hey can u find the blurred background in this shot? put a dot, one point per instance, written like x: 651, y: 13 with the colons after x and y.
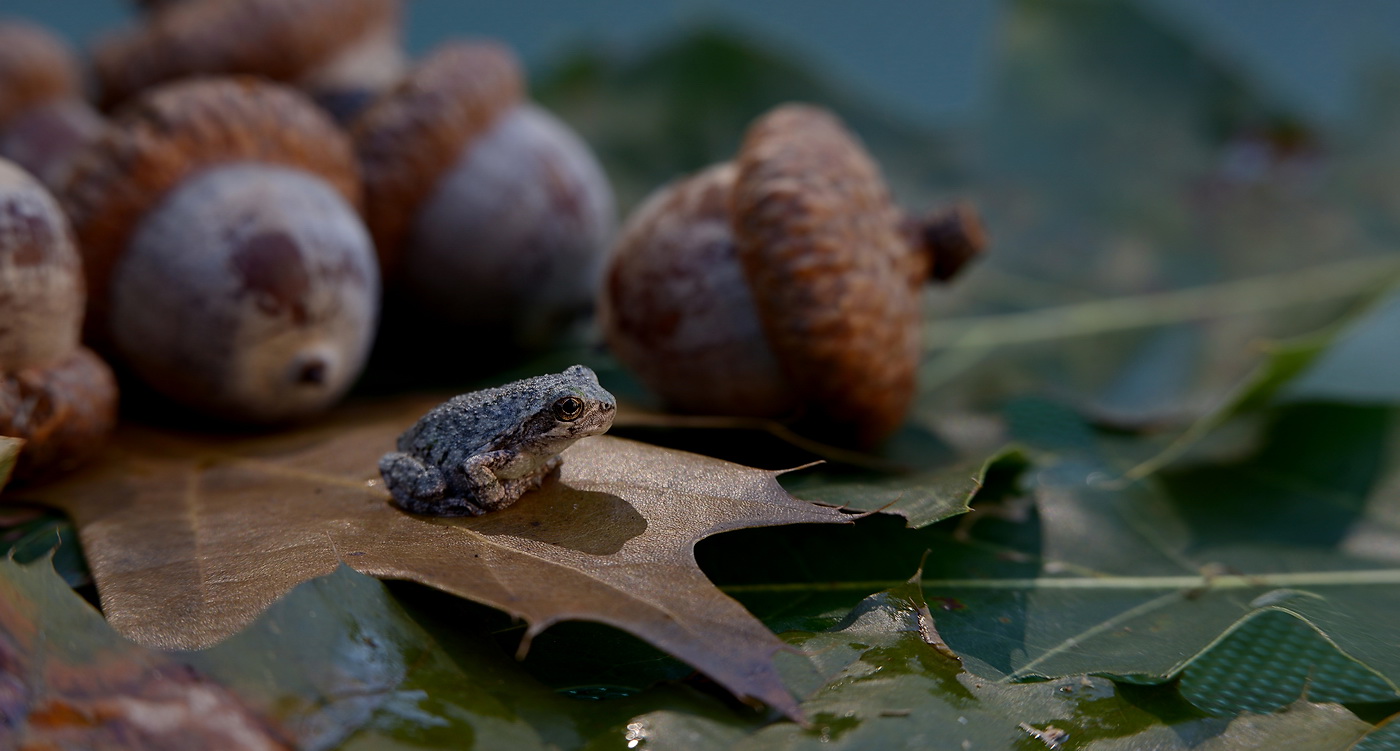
x: 1117, y: 150
x: 927, y: 61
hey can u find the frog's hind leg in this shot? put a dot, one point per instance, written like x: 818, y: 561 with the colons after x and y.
x: 415, y: 486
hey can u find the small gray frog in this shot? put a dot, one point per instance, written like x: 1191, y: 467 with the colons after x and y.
x: 481, y: 451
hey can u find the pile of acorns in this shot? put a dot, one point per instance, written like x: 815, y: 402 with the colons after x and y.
x: 264, y: 176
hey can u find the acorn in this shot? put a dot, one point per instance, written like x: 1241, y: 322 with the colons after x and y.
x: 43, y: 116
x: 57, y: 395
x: 341, y: 52
x: 783, y: 284
x: 487, y: 211
x: 226, y: 264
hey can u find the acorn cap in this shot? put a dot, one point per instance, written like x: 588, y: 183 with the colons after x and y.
x: 277, y: 39
x: 35, y: 67
x: 65, y: 411
x: 177, y: 130
x: 836, y: 284
x: 412, y: 134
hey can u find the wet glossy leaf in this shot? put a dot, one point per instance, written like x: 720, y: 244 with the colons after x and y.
x: 879, y: 679
x: 1155, y: 218
x: 1301, y: 725
x: 190, y: 537
x: 69, y: 681
x: 922, y: 498
x: 29, y: 533
x: 1140, y: 581
x: 336, y: 659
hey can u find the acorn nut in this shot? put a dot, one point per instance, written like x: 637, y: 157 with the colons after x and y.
x: 226, y: 263
x: 341, y: 52
x: 43, y: 116
x: 58, y: 396
x: 490, y: 213
x: 784, y: 283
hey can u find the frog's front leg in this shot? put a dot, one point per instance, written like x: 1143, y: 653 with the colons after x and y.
x: 416, y: 487
x: 522, y: 485
x: 488, y: 490
x: 480, y: 485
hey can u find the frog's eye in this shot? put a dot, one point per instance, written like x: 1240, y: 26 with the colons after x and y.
x: 569, y: 408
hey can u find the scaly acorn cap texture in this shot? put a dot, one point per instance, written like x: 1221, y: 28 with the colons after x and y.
x: 836, y: 284
x: 277, y: 39
x: 35, y: 67
x: 174, y: 131
x: 412, y: 134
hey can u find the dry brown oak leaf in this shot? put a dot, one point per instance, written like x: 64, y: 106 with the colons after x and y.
x: 190, y: 537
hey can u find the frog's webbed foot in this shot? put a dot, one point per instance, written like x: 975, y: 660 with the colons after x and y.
x: 415, y: 486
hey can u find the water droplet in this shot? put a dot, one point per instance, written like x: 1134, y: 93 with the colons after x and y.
x: 636, y: 734
x: 598, y: 693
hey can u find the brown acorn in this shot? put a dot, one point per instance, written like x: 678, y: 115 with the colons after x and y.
x: 226, y: 263
x: 784, y: 283
x: 341, y: 52
x: 486, y: 210
x: 58, y: 396
x: 43, y: 116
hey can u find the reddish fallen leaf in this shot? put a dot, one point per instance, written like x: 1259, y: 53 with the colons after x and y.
x: 65, y: 684
x: 190, y: 537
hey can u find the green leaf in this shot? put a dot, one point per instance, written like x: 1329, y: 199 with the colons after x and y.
x: 1338, y: 362
x: 1141, y: 581
x: 72, y: 682
x: 1132, y: 268
x: 922, y: 498
x: 880, y: 679
x: 29, y: 533
x: 1301, y: 725
x: 338, y: 656
x: 337, y: 663
x: 1357, y: 364
x: 1272, y: 660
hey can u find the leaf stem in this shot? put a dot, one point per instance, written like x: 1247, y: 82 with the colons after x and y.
x: 1254, y: 295
x: 1226, y: 581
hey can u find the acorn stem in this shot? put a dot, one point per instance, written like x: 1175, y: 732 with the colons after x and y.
x: 950, y: 237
